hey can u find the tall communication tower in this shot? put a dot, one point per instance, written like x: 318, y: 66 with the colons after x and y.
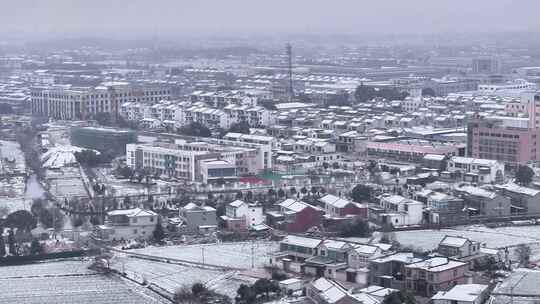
x: 114, y: 101
x: 288, y: 48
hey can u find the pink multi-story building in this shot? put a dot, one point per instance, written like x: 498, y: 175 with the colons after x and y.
x: 412, y: 149
x: 508, y: 139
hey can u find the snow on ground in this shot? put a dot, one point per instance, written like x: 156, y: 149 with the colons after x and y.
x: 120, y: 187
x: 236, y: 255
x: 33, y: 188
x: 68, y: 282
x: 491, y: 237
x: 171, y: 277
x: 12, y: 195
x: 167, y: 276
x: 11, y: 150
x: 123, y: 187
x: 66, y: 182
x: 230, y: 285
x: 47, y: 268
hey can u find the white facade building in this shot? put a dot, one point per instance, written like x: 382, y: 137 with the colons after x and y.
x: 127, y: 224
x: 477, y: 170
x: 400, y: 211
x: 251, y: 214
x: 68, y: 102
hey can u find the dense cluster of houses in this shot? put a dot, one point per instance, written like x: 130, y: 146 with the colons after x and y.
x: 341, y: 268
x: 290, y: 215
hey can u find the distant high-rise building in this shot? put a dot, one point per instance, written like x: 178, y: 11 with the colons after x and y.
x: 486, y: 65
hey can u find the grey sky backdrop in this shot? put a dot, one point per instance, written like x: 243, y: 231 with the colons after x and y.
x: 165, y: 17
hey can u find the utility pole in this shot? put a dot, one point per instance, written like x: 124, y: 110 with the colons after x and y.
x: 252, y: 254
x: 202, y: 252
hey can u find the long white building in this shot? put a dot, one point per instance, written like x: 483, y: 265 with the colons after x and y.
x: 200, y: 159
x: 69, y: 102
x: 179, y: 114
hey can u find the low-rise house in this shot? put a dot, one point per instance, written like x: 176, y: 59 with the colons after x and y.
x: 476, y: 170
x: 389, y: 270
x: 483, y: 202
x: 295, y: 216
x: 199, y: 219
x: 373, y: 294
x: 444, y: 208
x: 360, y: 255
x: 127, y: 224
x: 358, y: 259
x: 241, y: 216
x: 293, y: 251
x: 331, y: 258
x: 324, y: 291
x: 339, y: 207
x: 429, y: 276
x: 434, y: 161
x: 458, y: 247
x: 400, y: 211
x: 462, y: 294
x: 522, y: 199
x: 521, y: 284
x: 290, y: 286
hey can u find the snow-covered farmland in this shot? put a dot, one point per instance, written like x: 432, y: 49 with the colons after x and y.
x: 234, y: 255
x: 171, y: 277
x: 68, y: 282
x: 167, y: 276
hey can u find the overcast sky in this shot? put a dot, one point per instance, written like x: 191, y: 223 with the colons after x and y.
x: 165, y: 17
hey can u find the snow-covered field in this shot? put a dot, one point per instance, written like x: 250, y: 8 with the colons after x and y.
x: 235, y: 255
x: 171, y: 277
x: 67, y: 282
x: 46, y: 268
x: 167, y: 276
x: 66, y: 182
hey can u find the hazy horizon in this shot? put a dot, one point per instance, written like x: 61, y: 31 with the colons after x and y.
x: 131, y: 18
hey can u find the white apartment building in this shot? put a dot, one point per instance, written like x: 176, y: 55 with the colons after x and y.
x: 518, y: 84
x: 201, y: 159
x: 184, y: 113
x: 261, y: 151
x: 255, y: 116
x: 477, y: 170
x: 412, y: 104
x: 269, y: 141
x: 314, y: 145
x: 166, y: 159
x: 134, y: 111
x: 209, y: 117
x: 223, y: 99
x: 69, y: 102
